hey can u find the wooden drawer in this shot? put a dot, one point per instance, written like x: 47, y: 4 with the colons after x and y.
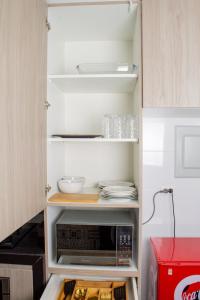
x: 55, y: 283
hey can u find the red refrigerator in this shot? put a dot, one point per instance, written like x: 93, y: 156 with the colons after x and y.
x: 174, y: 272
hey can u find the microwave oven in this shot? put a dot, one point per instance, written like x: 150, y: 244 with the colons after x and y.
x: 101, y: 238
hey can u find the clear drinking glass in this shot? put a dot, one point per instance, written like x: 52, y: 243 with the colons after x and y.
x: 112, y: 126
x: 124, y: 126
x: 117, y: 126
x: 106, y: 128
x: 131, y: 127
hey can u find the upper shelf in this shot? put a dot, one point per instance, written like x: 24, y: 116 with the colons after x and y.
x: 91, y: 140
x: 95, y: 83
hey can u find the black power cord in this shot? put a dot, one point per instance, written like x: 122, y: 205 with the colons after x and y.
x: 173, y: 211
x: 154, y: 208
x: 165, y: 191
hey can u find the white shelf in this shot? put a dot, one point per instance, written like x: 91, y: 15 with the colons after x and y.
x: 100, y: 204
x: 91, y: 140
x: 95, y: 83
x: 131, y: 271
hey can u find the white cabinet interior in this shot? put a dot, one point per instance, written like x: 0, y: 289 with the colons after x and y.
x: 54, y: 267
x: 92, y: 34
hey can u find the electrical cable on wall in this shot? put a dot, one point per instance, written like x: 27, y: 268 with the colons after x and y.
x: 165, y: 191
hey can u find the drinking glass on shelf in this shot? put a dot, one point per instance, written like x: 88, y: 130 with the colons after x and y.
x: 117, y: 126
x: 124, y: 126
x: 131, y: 127
x: 107, y: 126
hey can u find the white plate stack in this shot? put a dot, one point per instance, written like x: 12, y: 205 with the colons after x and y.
x: 119, y: 192
x: 107, y: 183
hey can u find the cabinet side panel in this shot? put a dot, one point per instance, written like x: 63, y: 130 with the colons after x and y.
x: 171, y: 47
x: 22, y: 114
x: 21, y: 281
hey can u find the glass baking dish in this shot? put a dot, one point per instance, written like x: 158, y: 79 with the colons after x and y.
x: 106, y: 68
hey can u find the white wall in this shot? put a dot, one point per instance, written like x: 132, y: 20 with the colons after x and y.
x: 158, y: 173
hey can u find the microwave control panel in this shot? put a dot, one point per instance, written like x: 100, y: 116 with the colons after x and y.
x: 124, y: 245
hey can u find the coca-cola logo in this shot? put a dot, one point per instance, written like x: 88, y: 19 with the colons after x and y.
x: 191, y: 292
x: 188, y: 288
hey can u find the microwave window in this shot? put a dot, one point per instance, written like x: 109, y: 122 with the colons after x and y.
x: 91, y: 237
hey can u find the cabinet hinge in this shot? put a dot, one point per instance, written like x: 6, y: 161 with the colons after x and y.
x: 48, y: 25
x: 47, y: 188
x: 47, y: 104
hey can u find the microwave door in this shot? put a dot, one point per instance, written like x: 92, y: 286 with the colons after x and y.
x: 89, y: 245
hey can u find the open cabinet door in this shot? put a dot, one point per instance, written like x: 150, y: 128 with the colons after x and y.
x: 23, y: 51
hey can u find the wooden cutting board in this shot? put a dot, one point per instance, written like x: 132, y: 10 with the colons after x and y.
x: 86, y: 198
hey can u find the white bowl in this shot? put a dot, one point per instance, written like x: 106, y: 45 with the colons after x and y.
x: 71, y: 184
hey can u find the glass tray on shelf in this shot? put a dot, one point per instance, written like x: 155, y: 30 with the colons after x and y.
x: 106, y: 68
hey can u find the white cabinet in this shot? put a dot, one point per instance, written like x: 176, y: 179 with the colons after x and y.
x: 92, y: 34
x: 88, y: 33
